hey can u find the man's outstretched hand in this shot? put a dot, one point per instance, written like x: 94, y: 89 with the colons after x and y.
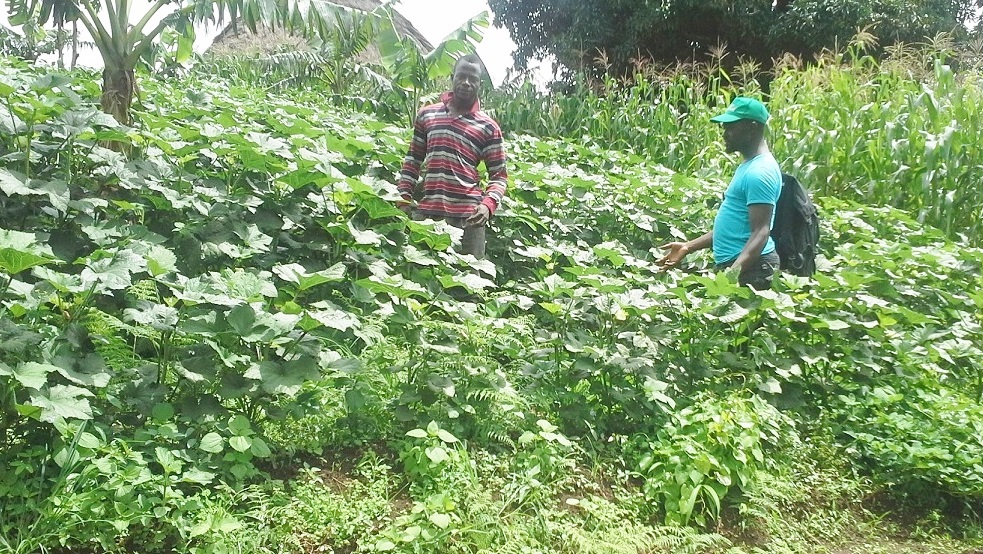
x: 676, y: 251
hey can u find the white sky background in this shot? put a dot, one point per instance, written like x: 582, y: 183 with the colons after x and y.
x: 435, y: 19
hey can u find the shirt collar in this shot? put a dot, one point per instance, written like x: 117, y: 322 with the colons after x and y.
x: 449, y: 95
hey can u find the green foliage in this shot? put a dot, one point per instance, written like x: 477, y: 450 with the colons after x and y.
x: 894, y: 132
x: 709, y: 452
x: 623, y: 31
x: 168, y: 288
x: 31, y: 44
x: 122, y: 43
x: 339, y: 64
x: 184, y: 326
x: 918, y: 438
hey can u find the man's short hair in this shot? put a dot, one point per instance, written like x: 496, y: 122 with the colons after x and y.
x: 469, y: 58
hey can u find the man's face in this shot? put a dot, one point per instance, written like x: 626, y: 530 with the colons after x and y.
x: 466, y: 81
x: 738, y: 134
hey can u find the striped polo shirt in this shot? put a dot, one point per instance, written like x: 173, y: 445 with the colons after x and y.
x: 446, y: 149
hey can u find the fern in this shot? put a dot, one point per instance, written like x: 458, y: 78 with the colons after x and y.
x: 108, y: 334
x: 686, y: 540
x: 144, y: 290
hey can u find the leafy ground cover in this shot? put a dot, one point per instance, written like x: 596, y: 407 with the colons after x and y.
x: 230, y: 340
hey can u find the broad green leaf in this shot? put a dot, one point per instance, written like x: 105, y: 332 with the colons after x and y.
x: 395, y: 285
x: 229, y: 523
x: 18, y: 240
x: 411, y: 533
x: 418, y: 257
x: 20, y: 251
x: 333, y: 274
x: 29, y: 411
x: 385, y: 545
x: 295, y: 273
x: 435, y: 237
x: 167, y: 460
x: 246, y: 286
x: 114, y: 272
x: 62, y: 401
x: 62, y: 282
x: 163, y: 412
x: 437, y: 454
x: 442, y: 521
x: 470, y: 281
x: 197, y: 476
x: 366, y: 237
x: 89, y: 370
x: 212, y: 442
x: 283, y: 377
x: 771, y: 386
x: 161, y: 260
x: 13, y: 261
x: 13, y: 184
x: 157, y: 316
x: 240, y: 443
x: 446, y: 436
x: 240, y: 425
x: 33, y: 375
x: 354, y: 399
x: 330, y: 315
x: 66, y: 457
x: 417, y: 433
x: 241, y: 318
x: 377, y: 207
x: 344, y: 365
x: 254, y: 242
x: 290, y: 273
x: 836, y: 324
x: 259, y: 448
x: 88, y: 440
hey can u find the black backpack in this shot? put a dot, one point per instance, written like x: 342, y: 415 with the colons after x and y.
x: 796, y: 228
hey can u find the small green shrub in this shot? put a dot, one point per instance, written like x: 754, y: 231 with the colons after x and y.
x: 709, y: 452
x: 916, y: 440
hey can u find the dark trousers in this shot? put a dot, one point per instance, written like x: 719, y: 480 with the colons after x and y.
x: 473, y: 241
x: 758, y: 274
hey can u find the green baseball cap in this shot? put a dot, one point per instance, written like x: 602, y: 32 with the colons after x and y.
x: 743, y: 108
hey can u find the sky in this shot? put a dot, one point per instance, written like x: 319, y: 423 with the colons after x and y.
x: 435, y: 19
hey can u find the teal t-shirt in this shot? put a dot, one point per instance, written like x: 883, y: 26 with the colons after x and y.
x: 756, y: 181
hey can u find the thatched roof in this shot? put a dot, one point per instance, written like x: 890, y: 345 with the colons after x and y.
x: 238, y: 39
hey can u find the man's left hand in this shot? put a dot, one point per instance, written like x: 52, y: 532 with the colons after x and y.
x: 479, y: 218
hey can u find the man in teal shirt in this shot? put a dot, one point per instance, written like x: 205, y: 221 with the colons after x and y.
x: 741, y: 235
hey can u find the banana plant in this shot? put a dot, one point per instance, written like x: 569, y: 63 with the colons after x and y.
x: 122, y: 43
x: 404, y: 75
x: 413, y: 72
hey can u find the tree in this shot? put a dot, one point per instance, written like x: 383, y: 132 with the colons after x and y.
x: 575, y: 31
x: 122, y: 44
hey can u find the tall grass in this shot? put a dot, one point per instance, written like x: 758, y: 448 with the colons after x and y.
x: 902, y: 134
x: 903, y: 131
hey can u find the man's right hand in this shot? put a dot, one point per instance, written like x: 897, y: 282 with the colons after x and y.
x: 407, y: 209
x: 676, y: 252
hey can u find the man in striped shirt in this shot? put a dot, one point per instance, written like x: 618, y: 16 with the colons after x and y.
x: 450, y: 139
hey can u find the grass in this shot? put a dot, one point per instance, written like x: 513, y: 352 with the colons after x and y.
x: 346, y: 505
